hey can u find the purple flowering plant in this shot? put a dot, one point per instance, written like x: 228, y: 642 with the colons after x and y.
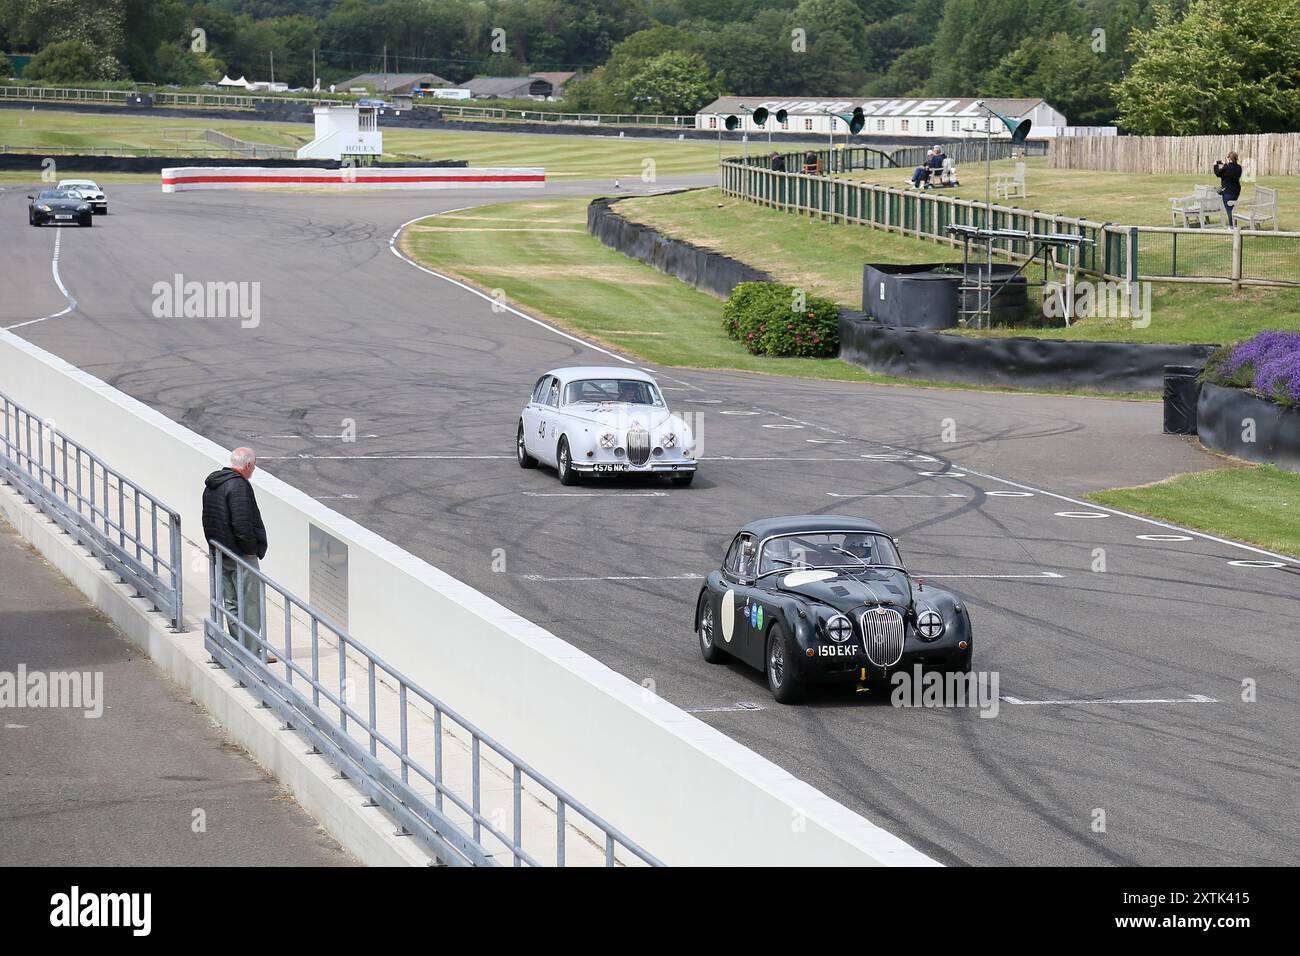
x: 1268, y: 363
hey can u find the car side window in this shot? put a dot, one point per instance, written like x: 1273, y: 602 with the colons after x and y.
x: 729, y: 562
x: 553, y: 396
x: 539, y: 390
x: 740, y: 556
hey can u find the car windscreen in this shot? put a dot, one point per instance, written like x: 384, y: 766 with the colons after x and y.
x: 77, y: 186
x: 630, y: 390
x: 57, y: 194
x: 828, y: 549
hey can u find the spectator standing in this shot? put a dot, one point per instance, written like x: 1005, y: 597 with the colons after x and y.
x: 778, y: 163
x: 1229, y: 173
x: 231, y: 517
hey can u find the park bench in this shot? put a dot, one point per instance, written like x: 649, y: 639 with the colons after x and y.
x: 1010, y: 184
x: 1201, y: 208
x: 1261, y: 210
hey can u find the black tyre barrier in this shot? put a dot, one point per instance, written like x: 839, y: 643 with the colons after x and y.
x: 154, y: 164
x: 1014, y: 361
x: 708, y: 271
x: 1181, y: 395
x: 928, y: 295
x: 1228, y: 418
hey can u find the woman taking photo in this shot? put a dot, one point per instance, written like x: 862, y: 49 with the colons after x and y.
x: 1229, y: 173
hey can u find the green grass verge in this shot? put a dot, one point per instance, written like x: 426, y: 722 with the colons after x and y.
x: 563, y: 157
x: 541, y: 257
x: 826, y: 259
x: 1259, y: 504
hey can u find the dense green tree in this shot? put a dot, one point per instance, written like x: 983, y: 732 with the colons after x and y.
x: 6, y: 68
x: 65, y: 61
x: 1228, y: 66
x: 1064, y: 70
x: 975, y: 34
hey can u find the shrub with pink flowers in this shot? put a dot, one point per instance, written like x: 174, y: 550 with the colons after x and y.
x: 1269, y: 364
x: 778, y: 320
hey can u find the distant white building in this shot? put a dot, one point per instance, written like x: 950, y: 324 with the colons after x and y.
x: 936, y: 118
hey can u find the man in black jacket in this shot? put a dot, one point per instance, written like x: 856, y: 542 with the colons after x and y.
x: 231, y: 517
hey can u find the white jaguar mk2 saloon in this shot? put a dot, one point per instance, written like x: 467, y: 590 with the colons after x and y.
x: 604, y: 421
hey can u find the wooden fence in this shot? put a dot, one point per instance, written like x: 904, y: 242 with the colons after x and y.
x: 1271, y: 154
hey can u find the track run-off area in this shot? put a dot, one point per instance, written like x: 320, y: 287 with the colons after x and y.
x: 1122, y: 646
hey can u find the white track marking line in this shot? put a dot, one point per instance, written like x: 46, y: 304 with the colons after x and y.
x: 1041, y: 575
x: 1191, y: 699
x: 739, y: 707
x: 626, y: 577
x: 596, y: 494
x: 1257, y: 564
x: 497, y: 303
x: 384, y: 458
x: 832, y: 494
x: 58, y: 281
x: 1151, y: 521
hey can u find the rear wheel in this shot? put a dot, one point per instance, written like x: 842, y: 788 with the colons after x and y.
x: 706, y: 631
x: 564, y: 464
x: 781, y: 681
x: 521, y: 450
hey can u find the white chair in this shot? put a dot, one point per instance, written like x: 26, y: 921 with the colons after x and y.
x: 948, y: 175
x: 1007, y: 185
x: 1260, y: 211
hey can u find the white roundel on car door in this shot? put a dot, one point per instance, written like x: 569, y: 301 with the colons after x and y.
x: 728, y: 615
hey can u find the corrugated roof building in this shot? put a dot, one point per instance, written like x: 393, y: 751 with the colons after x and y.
x: 936, y: 118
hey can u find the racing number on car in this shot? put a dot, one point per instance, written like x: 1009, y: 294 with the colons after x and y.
x: 541, y: 428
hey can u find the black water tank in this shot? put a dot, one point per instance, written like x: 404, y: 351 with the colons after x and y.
x: 1010, y: 303
x: 1181, y: 395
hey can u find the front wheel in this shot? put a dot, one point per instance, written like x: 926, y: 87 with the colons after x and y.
x: 781, y: 681
x: 706, y: 632
x: 683, y: 479
x: 564, y: 464
x: 521, y: 450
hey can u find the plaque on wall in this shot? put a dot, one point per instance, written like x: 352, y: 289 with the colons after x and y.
x: 328, y: 580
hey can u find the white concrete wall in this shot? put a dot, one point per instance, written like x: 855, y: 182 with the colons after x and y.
x: 181, y: 178
x: 683, y: 790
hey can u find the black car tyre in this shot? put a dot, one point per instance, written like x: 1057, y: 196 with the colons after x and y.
x: 683, y: 479
x: 564, y: 464
x: 89, y: 222
x: 781, y: 681
x: 961, y: 662
x: 521, y: 450
x: 706, y: 631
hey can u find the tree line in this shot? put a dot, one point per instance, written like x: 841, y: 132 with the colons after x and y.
x: 1152, y: 66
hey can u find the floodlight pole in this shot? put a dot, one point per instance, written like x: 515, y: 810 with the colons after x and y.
x: 988, y: 202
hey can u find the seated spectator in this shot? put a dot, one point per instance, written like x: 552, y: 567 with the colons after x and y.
x: 921, y: 175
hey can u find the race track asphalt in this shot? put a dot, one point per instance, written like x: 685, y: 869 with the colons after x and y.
x: 1128, y: 680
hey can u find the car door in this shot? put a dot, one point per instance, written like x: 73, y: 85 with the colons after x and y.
x: 531, y: 415
x: 548, y: 427
x: 735, y: 611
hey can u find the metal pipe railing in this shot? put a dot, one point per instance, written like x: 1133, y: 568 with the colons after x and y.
x: 378, y: 753
x: 134, y: 534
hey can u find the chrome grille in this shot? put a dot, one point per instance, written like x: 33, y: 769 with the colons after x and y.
x: 638, y: 446
x: 882, y: 636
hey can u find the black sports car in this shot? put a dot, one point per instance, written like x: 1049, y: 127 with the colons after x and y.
x: 59, y: 206
x: 826, y: 598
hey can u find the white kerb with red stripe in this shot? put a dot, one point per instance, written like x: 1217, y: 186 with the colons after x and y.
x: 183, y: 178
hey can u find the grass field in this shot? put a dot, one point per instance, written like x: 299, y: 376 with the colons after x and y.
x: 1259, y: 504
x: 1130, y: 198
x: 540, y: 255
x: 563, y: 157
x: 826, y: 259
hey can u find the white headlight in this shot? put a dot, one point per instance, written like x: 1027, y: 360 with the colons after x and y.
x: 839, y: 628
x: 929, y: 624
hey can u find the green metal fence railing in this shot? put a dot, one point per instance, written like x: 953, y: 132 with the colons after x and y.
x: 1121, y: 252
